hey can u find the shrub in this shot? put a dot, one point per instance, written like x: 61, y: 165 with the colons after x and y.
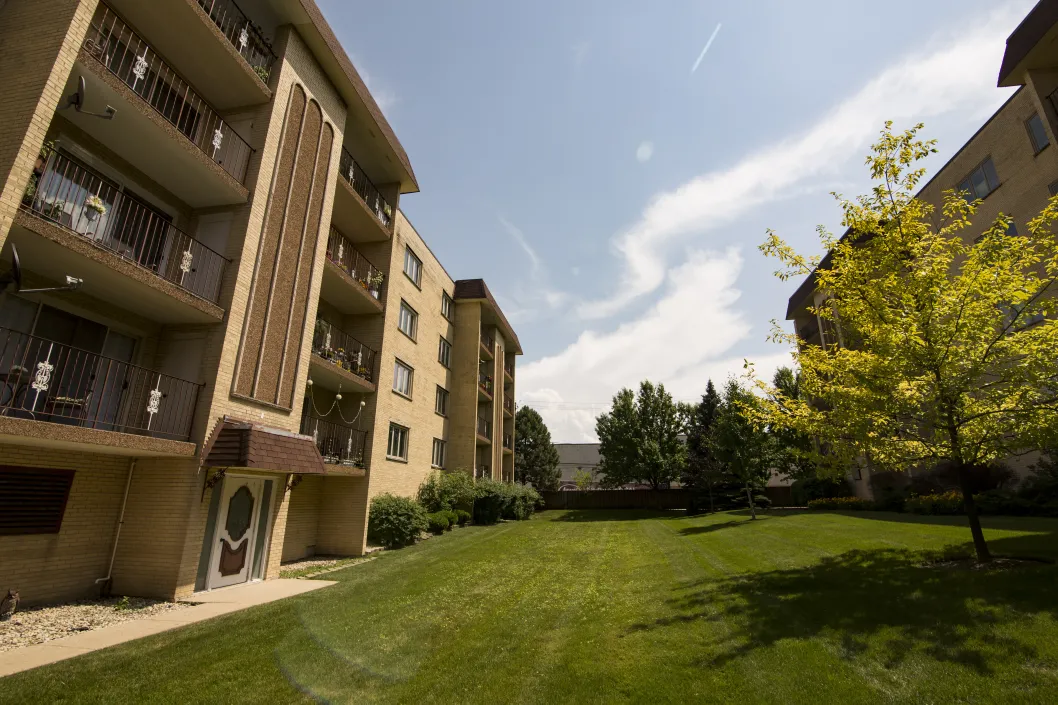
x: 464, y: 517
x: 452, y: 516
x: 939, y: 504
x: 438, y: 522
x: 810, y: 488
x: 442, y: 491
x: 489, y: 501
x: 395, y: 521
x: 843, y: 503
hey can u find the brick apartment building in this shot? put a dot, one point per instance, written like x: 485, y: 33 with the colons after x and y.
x: 1011, y: 163
x: 261, y: 342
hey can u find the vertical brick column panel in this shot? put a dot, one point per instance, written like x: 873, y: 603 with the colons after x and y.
x: 39, y: 40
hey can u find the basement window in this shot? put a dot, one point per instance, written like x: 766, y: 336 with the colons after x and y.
x: 33, y: 500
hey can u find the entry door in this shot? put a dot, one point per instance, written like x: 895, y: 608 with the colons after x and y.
x: 233, y: 545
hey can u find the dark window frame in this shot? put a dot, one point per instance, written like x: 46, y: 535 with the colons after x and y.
x: 17, y: 473
x: 1032, y: 135
x: 966, y: 184
x: 441, y: 393
x: 418, y: 260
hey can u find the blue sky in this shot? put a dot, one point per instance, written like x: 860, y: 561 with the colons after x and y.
x: 613, y: 199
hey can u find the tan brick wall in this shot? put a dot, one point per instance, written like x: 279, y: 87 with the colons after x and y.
x: 463, y: 412
x: 49, y: 567
x: 39, y: 40
x: 421, y: 354
x: 342, y: 517
x: 303, y: 516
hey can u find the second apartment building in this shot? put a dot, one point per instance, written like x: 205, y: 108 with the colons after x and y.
x: 224, y: 390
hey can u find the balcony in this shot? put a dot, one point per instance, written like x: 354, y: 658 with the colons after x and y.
x: 508, y: 406
x: 162, y: 126
x: 485, y: 386
x: 488, y: 345
x: 338, y: 444
x: 41, y: 380
x: 482, y: 472
x: 340, y: 361
x: 242, y: 34
x: 359, y: 207
x: 82, y: 201
x: 347, y: 269
x: 508, y: 370
x: 202, y: 39
x: 508, y: 442
x: 484, y: 431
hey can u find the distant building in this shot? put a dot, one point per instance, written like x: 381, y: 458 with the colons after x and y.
x: 577, y: 458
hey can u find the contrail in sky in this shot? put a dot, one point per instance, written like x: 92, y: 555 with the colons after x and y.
x: 707, y: 45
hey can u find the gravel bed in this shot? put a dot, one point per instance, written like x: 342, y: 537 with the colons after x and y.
x: 35, y: 625
x: 318, y: 562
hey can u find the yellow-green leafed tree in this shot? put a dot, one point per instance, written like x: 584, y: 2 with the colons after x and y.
x: 949, y: 343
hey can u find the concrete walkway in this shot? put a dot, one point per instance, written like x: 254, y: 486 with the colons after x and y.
x: 210, y: 604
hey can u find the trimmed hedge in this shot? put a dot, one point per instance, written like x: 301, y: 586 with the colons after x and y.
x: 940, y: 504
x: 438, y: 522
x: 395, y: 521
x: 463, y: 516
x: 452, y: 516
x: 842, y: 503
x: 499, y: 500
x: 443, y: 491
x: 993, y: 502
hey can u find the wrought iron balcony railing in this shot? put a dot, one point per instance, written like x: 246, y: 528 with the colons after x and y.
x: 339, y: 444
x: 485, y: 383
x: 485, y: 428
x: 242, y: 34
x: 508, y: 405
x: 126, y: 55
x: 342, y: 253
x: 508, y: 369
x: 356, y: 177
x: 345, y: 351
x: 70, y: 194
x: 482, y: 472
x: 43, y: 380
x: 508, y: 441
x: 487, y: 342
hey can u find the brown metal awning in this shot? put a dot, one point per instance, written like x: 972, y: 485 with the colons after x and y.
x: 235, y: 443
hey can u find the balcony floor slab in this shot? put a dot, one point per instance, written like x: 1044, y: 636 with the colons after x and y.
x: 345, y: 293
x: 330, y: 376
x: 43, y: 434
x: 352, y: 216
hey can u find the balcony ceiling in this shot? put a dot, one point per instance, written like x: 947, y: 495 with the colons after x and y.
x: 171, y: 160
x: 184, y: 36
x: 351, y: 216
x: 328, y: 376
x: 53, y: 262
x: 344, y: 294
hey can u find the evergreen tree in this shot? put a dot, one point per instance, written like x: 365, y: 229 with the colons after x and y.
x: 535, y: 456
x: 703, y: 474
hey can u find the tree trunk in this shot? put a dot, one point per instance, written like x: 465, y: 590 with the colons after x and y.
x: 983, y: 554
x: 752, y: 509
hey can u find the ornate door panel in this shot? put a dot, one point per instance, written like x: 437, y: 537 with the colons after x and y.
x: 233, y: 545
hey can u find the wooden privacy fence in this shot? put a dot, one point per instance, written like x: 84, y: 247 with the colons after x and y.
x: 641, y: 499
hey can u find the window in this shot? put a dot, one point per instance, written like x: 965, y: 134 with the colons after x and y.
x: 408, y: 321
x: 413, y: 267
x: 398, y: 443
x: 438, y: 459
x: 444, y: 353
x: 981, y: 182
x: 1037, y: 134
x: 32, y: 500
x: 447, y: 306
x: 441, y: 403
x: 402, y: 378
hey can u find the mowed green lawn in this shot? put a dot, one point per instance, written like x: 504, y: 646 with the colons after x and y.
x: 625, y: 607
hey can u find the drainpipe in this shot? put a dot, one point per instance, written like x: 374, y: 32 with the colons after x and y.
x: 121, y: 521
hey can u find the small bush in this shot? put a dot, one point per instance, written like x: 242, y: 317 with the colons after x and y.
x: 761, y: 501
x: 464, y: 517
x: 853, y: 504
x: 429, y: 494
x: 489, y: 500
x: 442, y: 491
x: 438, y: 522
x: 946, y: 503
x: 804, y: 491
x: 452, y: 516
x: 395, y: 521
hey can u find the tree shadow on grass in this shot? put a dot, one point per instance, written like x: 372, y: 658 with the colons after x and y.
x: 709, y: 528
x: 884, y: 603
x: 614, y: 514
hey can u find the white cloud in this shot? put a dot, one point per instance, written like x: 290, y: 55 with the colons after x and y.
x: 682, y: 341
x: 958, y: 74
x: 644, y: 151
x: 528, y: 296
x: 706, y: 48
x: 385, y: 97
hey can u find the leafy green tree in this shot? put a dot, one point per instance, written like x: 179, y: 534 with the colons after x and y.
x: 794, y: 450
x: 639, y: 439
x: 583, y: 479
x: 535, y: 456
x: 948, y: 341
x: 703, y: 473
x: 741, y: 441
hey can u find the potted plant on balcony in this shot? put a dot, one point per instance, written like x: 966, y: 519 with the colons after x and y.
x: 94, y: 207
